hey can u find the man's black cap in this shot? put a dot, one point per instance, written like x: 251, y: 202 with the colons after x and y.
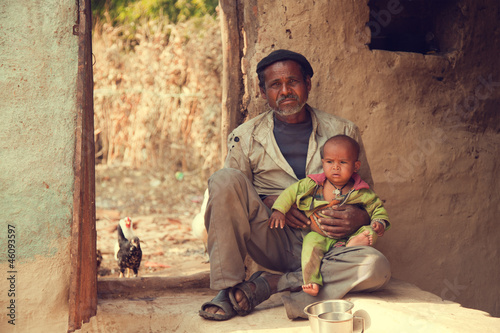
x: 280, y: 55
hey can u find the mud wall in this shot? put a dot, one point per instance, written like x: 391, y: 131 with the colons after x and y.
x: 429, y: 122
x: 38, y: 67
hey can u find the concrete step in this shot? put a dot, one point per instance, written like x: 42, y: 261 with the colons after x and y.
x: 171, y: 304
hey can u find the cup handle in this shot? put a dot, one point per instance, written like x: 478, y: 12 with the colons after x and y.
x: 357, y: 322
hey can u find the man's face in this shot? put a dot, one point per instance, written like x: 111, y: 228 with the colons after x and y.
x: 285, y: 90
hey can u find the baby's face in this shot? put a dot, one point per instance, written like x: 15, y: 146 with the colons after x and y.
x: 339, y: 162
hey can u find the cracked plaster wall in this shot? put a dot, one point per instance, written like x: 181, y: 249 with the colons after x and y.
x: 38, y: 70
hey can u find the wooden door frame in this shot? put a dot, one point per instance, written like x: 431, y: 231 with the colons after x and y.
x: 232, y: 76
x: 83, y: 281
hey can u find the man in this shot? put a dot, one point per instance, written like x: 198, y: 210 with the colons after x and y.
x: 266, y: 155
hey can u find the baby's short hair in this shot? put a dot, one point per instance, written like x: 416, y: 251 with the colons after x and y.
x: 341, y: 138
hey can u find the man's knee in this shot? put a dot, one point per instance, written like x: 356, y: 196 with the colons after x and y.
x: 374, y: 271
x: 225, y: 177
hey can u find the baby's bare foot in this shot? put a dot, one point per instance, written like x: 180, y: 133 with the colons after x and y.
x: 363, y: 239
x: 311, y: 288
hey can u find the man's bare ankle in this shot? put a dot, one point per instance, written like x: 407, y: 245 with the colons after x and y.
x: 273, y: 280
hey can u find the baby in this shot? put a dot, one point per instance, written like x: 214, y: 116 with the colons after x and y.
x: 338, y: 184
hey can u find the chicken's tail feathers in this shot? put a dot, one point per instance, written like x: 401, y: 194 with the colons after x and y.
x: 121, y: 236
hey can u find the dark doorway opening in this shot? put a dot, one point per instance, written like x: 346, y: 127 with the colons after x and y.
x: 420, y: 26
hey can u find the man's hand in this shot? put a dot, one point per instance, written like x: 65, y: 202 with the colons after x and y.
x: 344, y: 220
x: 294, y: 218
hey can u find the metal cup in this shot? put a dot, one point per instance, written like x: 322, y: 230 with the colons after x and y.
x: 339, y: 322
x: 315, y: 309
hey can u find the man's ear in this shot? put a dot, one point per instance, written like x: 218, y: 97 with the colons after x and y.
x: 308, y: 84
x: 357, y: 165
x: 263, y: 93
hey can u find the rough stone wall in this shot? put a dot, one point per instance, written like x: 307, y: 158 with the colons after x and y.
x: 430, y: 126
x: 38, y: 67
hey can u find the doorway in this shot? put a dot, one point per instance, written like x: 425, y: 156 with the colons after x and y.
x: 149, y: 155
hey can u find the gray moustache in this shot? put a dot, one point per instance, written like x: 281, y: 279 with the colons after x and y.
x: 287, y: 96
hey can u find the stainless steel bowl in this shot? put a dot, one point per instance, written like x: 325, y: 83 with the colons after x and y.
x: 315, y: 309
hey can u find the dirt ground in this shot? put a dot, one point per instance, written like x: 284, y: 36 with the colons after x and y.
x: 161, y: 207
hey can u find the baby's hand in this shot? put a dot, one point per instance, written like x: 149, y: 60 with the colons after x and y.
x: 277, y: 220
x: 378, y: 228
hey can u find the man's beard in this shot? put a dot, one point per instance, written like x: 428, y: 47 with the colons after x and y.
x: 287, y: 111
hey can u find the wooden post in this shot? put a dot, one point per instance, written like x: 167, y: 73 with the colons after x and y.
x: 232, y: 77
x: 83, y: 281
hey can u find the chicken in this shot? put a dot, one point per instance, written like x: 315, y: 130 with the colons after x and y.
x: 129, y: 255
x: 198, y: 224
x: 125, y: 225
x: 99, y: 258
